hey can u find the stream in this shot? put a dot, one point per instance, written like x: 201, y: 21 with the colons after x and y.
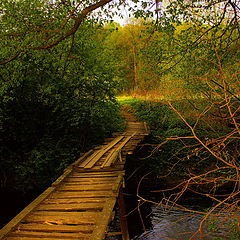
x: 166, y: 223
x: 172, y: 224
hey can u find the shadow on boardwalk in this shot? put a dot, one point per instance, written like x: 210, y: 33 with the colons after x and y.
x: 79, y: 204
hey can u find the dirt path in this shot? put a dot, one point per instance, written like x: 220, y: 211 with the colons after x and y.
x: 129, y: 113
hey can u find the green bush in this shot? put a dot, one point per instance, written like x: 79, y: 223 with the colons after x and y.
x: 164, y: 123
x: 53, y: 108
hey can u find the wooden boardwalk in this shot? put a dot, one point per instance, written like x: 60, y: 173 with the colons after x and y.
x: 79, y: 204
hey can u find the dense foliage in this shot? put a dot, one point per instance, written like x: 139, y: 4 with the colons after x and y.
x: 172, y: 142
x: 54, y: 105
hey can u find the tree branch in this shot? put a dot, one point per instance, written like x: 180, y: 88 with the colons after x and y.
x: 78, y: 21
x: 77, y: 24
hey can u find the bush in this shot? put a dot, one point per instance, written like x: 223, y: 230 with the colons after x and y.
x: 166, y: 126
x: 53, y: 108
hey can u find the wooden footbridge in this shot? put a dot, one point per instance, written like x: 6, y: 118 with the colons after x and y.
x: 79, y: 204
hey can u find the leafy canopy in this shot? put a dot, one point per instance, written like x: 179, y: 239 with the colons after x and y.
x: 40, y: 24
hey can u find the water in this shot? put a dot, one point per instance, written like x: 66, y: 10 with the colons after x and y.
x: 173, y: 224
x: 181, y: 225
x: 169, y: 223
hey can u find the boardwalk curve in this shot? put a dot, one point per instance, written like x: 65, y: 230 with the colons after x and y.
x: 79, y: 204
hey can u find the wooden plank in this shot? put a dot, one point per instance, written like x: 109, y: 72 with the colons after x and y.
x: 98, y: 154
x: 84, y: 183
x: 93, y: 169
x: 120, y: 156
x: 71, y: 206
x: 117, y: 184
x: 70, y: 215
x: 103, y: 221
x: 85, y: 155
x: 111, y: 234
x: 41, y: 238
x: 111, y: 158
x: 102, y: 152
x: 89, y: 187
x: 50, y: 227
x: 13, y: 223
x: 89, y: 159
x: 125, y: 141
x: 89, y: 180
x: 74, y: 200
x: 59, y: 235
x: 76, y: 190
x: 95, y: 173
x: 86, y: 194
x: 62, y: 217
x: 75, y: 175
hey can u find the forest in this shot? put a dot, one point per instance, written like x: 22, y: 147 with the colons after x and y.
x: 67, y: 68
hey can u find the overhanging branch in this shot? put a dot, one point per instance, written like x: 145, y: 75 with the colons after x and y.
x: 78, y: 21
x: 77, y: 24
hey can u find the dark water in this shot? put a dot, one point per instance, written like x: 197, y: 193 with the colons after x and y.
x: 172, y: 224
x: 168, y: 223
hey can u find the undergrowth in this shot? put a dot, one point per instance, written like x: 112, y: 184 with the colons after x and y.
x: 194, y: 148
x: 168, y: 151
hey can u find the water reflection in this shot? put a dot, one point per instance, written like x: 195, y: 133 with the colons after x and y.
x: 178, y: 225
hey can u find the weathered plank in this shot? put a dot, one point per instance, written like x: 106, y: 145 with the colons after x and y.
x: 94, y: 158
x: 102, y: 152
x: 41, y: 238
x: 101, y: 225
x: 82, y: 187
x: 83, y: 194
x: 117, y: 184
x: 82, y: 158
x: 97, y: 206
x: 62, y: 217
x: 94, y: 169
x: 62, y: 177
x: 75, y: 200
x: 89, y: 180
x: 88, y: 159
x: 56, y: 235
x: 92, y: 175
x: 112, y: 157
x: 50, y: 227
